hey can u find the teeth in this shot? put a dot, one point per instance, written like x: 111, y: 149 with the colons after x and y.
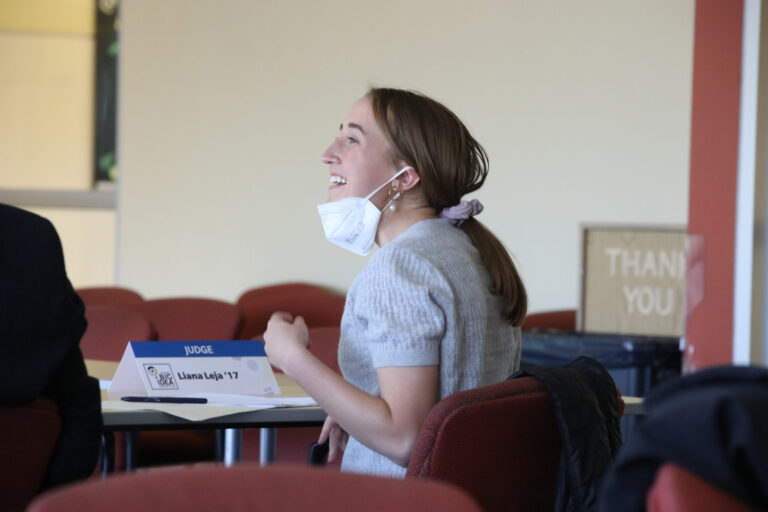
x: 338, y: 180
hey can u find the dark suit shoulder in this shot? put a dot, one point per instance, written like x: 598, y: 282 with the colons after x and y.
x: 15, y: 222
x: 13, y: 213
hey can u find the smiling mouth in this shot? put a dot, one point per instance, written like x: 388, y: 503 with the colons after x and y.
x: 338, y: 180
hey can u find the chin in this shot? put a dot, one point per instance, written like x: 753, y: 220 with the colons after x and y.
x: 334, y: 195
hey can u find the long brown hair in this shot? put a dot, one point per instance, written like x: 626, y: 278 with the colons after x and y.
x: 450, y: 163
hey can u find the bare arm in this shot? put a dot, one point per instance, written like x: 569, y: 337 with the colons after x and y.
x: 388, y: 424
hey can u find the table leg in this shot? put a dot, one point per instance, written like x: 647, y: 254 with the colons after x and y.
x: 219, y: 434
x: 233, y: 446
x: 107, y: 453
x: 130, y: 439
x: 267, y: 445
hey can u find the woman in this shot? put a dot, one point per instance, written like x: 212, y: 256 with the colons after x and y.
x: 436, y: 310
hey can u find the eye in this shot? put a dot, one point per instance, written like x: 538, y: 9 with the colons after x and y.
x: 352, y: 140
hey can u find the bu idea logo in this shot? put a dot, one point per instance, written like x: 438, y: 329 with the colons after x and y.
x: 160, y: 376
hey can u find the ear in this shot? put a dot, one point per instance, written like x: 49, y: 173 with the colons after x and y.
x: 406, y: 181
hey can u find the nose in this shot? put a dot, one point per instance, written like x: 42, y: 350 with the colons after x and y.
x: 331, y: 155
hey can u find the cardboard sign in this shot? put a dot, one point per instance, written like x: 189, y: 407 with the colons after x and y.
x: 175, y: 368
x: 633, y: 280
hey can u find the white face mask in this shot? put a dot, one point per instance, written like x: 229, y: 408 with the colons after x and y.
x: 352, y: 222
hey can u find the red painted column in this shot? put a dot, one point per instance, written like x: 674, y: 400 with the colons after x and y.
x: 713, y: 172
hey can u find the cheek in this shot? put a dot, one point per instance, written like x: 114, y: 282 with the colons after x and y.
x: 358, y: 183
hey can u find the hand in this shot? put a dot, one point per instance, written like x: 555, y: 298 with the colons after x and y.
x: 285, y: 338
x: 337, y: 437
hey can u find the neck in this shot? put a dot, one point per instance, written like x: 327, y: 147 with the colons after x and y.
x: 392, y: 224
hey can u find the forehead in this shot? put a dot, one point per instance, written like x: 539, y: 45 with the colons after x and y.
x: 361, y: 114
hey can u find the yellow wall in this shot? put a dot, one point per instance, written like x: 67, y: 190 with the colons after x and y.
x: 48, y: 16
x: 46, y: 97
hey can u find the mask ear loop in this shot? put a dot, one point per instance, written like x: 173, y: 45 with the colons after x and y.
x: 398, y: 173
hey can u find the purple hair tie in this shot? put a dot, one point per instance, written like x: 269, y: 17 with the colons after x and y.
x: 462, y: 211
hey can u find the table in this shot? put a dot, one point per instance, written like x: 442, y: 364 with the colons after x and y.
x: 267, y: 420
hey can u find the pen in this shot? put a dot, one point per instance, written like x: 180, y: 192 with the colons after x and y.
x: 165, y: 399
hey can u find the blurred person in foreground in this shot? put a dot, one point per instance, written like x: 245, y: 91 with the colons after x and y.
x: 41, y: 322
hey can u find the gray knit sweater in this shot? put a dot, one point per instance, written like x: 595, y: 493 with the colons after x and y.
x: 423, y: 299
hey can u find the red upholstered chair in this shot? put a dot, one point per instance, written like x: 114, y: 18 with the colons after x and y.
x: 676, y: 489
x: 185, y: 319
x: 563, y: 320
x: 109, y: 296
x: 319, y: 307
x: 294, y: 442
x: 500, y: 443
x: 28, y: 434
x: 324, y: 344
x: 322, y: 311
x: 249, y: 488
x: 110, y: 329
x: 281, y: 288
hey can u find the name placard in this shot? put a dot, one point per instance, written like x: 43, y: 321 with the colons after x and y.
x: 174, y: 368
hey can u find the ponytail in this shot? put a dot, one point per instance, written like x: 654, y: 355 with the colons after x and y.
x: 451, y: 164
x: 505, y: 280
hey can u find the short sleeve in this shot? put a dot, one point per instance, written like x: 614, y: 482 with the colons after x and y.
x: 400, y: 308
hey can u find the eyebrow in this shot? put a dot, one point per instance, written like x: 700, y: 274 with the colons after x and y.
x: 352, y: 125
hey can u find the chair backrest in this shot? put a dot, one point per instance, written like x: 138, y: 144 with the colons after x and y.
x: 319, y: 307
x: 499, y: 442
x: 28, y: 435
x: 281, y: 289
x: 324, y: 344
x: 184, y: 318
x: 108, y: 296
x: 562, y: 320
x: 676, y: 489
x: 110, y: 329
x: 248, y: 487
